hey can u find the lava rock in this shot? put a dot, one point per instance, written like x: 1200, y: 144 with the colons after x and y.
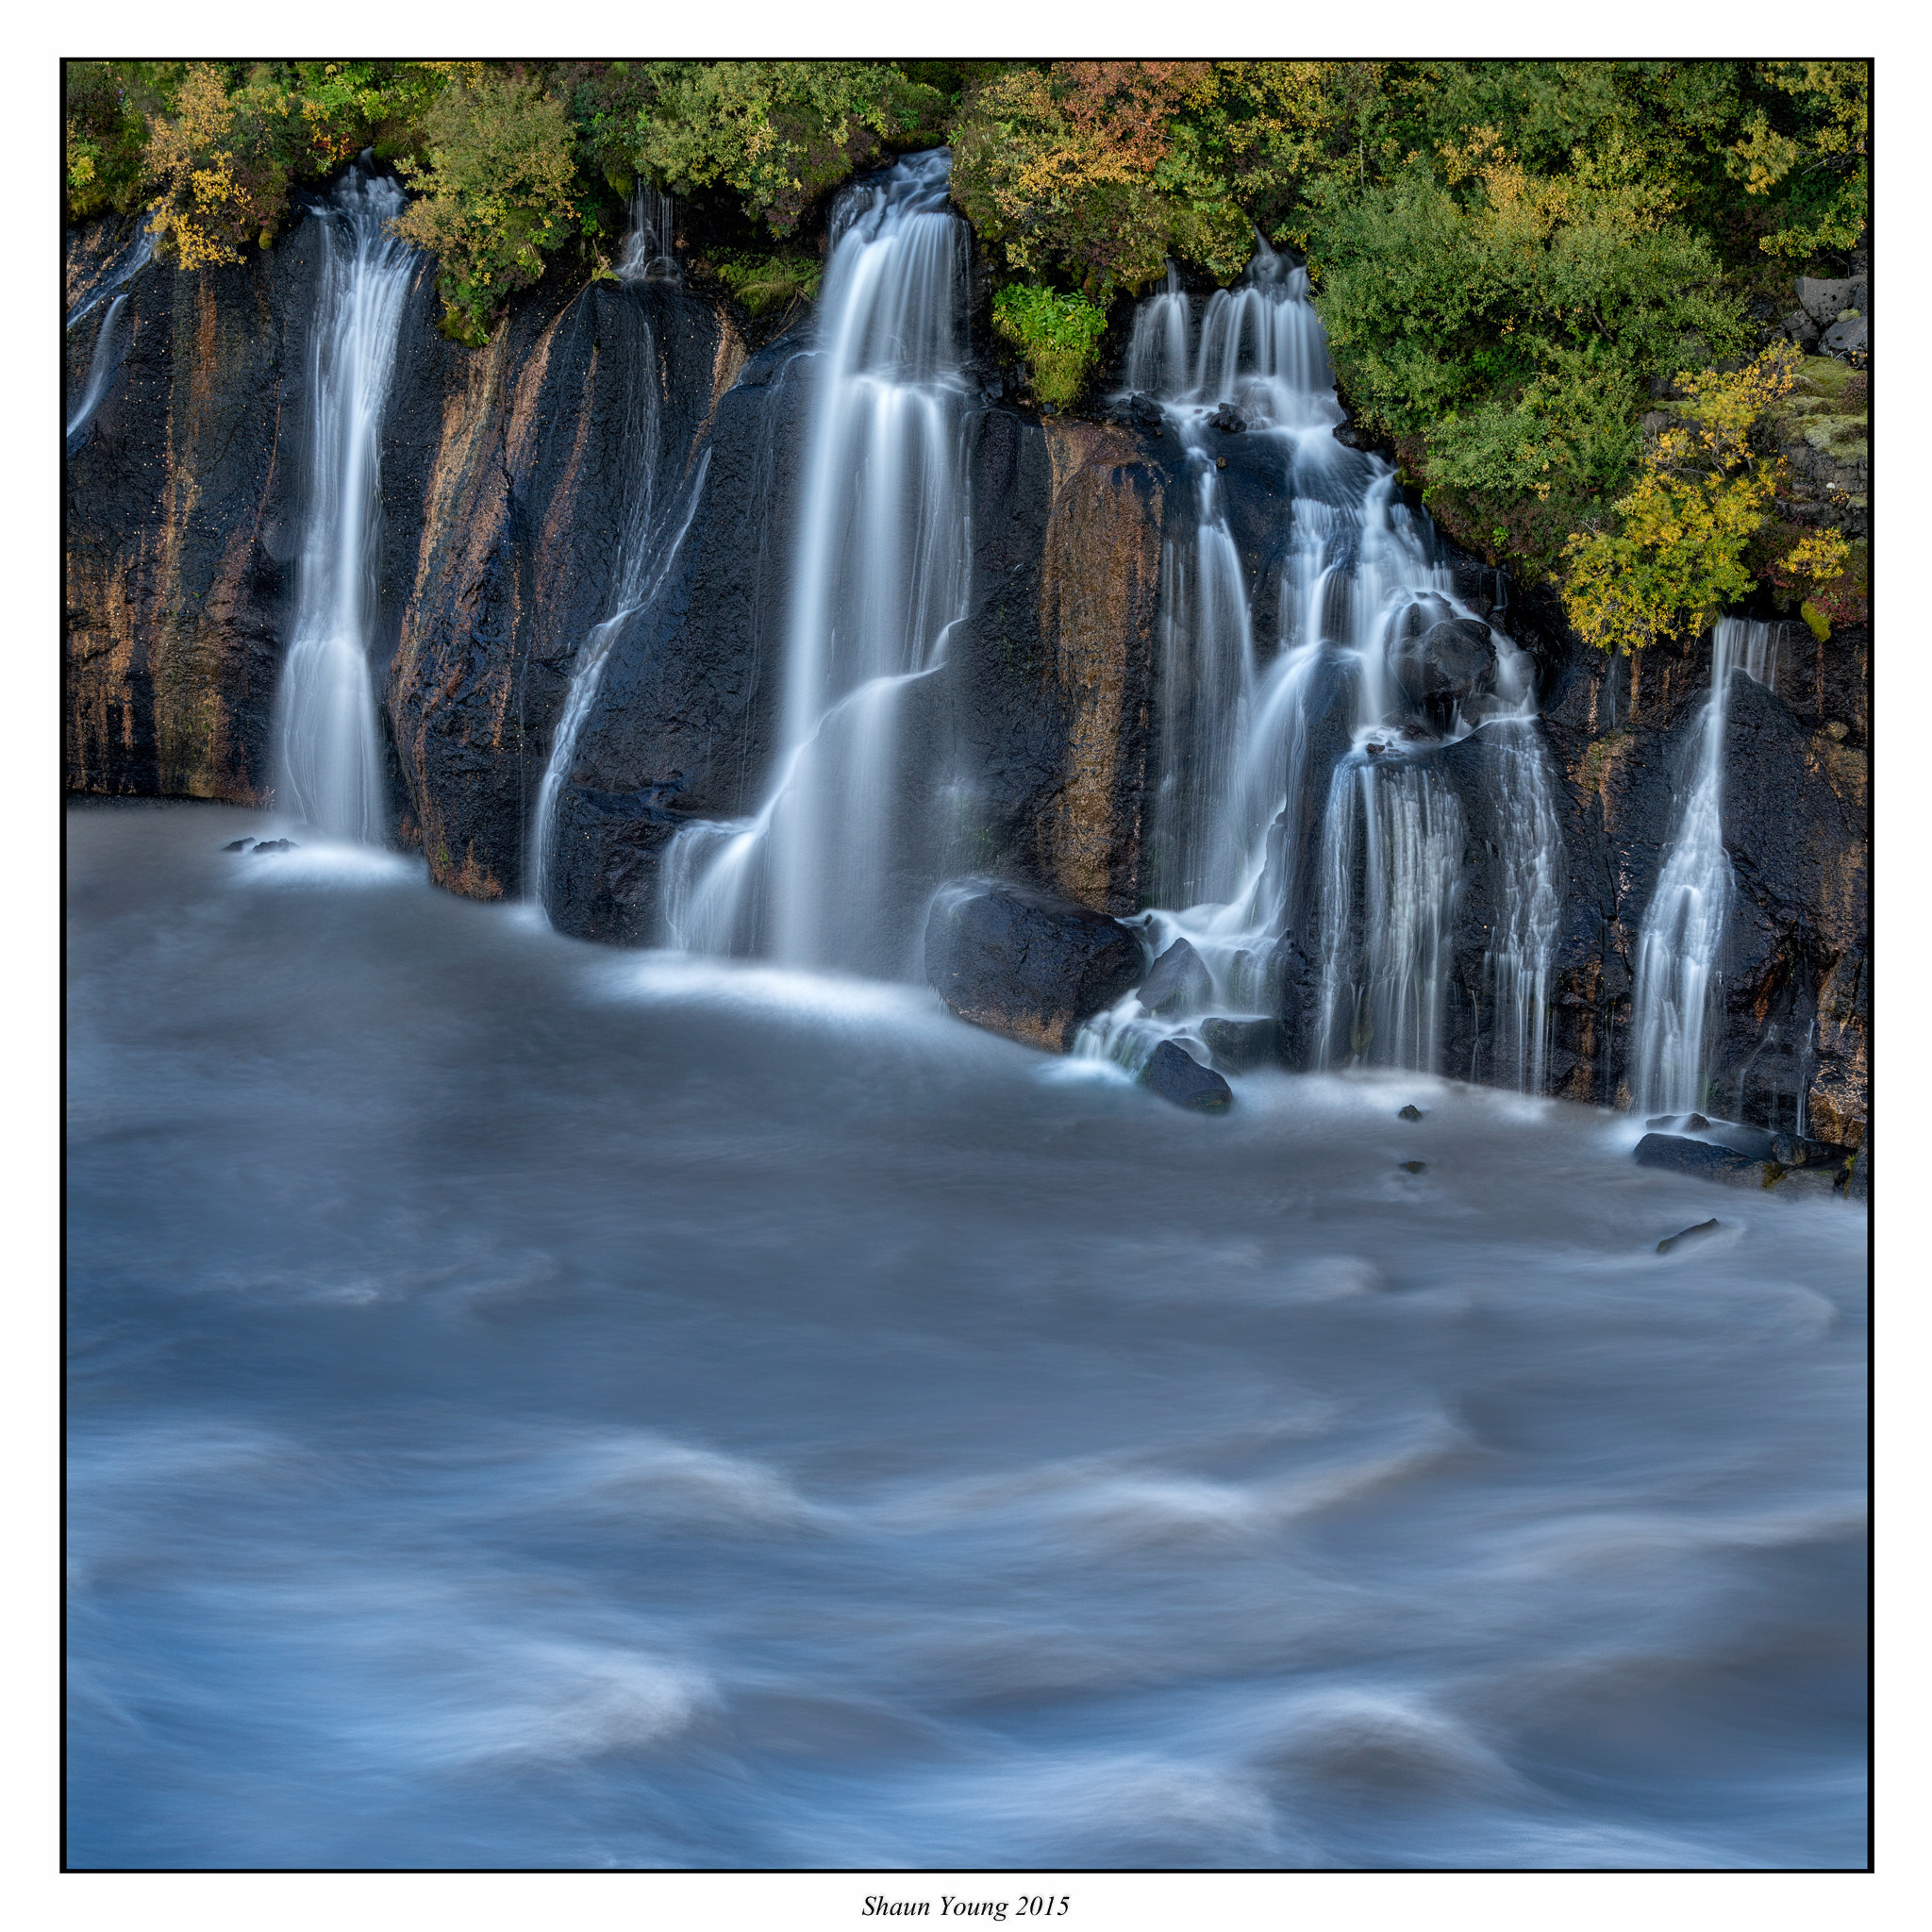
x: 278, y: 846
x: 1802, y: 1183
x: 1700, y: 1160
x: 1411, y: 1112
x: 1413, y: 1166
x: 1024, y: 963
x: 1449, y: 662
x: 1177, y: 1075
x: 1178, y: 982
x: 1791, y: 1150
x: 1695, y: 1124
x: 1688, y: 1234
x: 1824, y: 301
x: 1240, y: 1043
x: 1228, y: 420
x: 238, y: 845
x: 1857, y: 1177
x: 1851, y: 337
x: 1801, y: 329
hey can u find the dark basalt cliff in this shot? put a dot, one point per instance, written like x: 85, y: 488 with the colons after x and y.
x: 502, y: 473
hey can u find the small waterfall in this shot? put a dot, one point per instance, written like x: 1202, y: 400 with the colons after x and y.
x: 644, y: 560
x: 136, y: 258
x: 647, y: 248
x: 100, y: 371
x: 834, y: 868
x: 110, y: 340
x: 1297, y: 795
x: 327, y: 750
x: 1683, y: 929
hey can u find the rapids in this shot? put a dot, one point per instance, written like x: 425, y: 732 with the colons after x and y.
x: 538, y: 1404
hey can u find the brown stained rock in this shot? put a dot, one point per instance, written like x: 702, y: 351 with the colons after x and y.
x: 1099, y: 597
x: 173, y: 599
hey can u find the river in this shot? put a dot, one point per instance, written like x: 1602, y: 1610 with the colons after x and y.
x: 533, y: 1404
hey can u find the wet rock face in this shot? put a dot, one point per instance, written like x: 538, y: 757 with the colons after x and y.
x: 182, y: 524
x: 1024, y: 963
x: 523, y: 457
x: 1449, y: 663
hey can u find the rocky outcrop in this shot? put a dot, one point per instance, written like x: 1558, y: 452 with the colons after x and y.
x: 1024, y: 963
x: 182, y: 517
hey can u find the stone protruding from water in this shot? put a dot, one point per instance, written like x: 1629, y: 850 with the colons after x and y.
x: 1450, y: 664
x: 1177, y: 1075
x: 1694, y: 1233
x: 1241, y: 1043
x: 1179, y: 982
x: 1411, y: 1112
x: 1024, y: 963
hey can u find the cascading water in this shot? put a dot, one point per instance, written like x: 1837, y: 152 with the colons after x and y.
x: 327, y: 755
x: 647, y: 248
x: 644, y: 560
x: 1683, y: 929
x: 1370, y: 896
x: 110, y: 338
x: 831, y: 871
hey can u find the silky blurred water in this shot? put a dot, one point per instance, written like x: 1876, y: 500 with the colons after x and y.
x: 534, y: 1404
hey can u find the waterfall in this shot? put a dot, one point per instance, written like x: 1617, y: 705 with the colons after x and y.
x: 100, y: 371
x: 109, y: 340
x: 647, y: 256
x: 1359, y: 861
x: 138, y: 254
x: 1683, y: 928
x: 644, y: 562
x: 329, y: 773
x: 834, y: 869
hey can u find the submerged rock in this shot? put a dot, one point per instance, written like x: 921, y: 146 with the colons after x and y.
x: 1411, y: 1112
x: 1697, y: 1232
x: 1413, y: 1166
x: 1177, y: 1075
x: 1024, y: 963
x: 1180, y: 981
x: 1242, y: 1043
x: 238, y: 845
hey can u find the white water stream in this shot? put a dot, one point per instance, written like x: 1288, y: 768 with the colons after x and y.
x: 1679, y: 946
x: 878, y: 576
x: 327, y: 751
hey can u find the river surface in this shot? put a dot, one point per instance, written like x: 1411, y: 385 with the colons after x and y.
x: 536, y: 1404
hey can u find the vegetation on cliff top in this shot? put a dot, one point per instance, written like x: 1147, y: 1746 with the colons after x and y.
x: 1514, y: 259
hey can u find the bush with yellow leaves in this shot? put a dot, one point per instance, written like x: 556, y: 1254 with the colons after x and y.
x: 1675, y: 555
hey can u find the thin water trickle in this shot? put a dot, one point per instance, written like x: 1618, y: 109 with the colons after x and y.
x: 1680, y: 945
x: 832, y: 867
x: 328, y: 747
x: 649, y: 543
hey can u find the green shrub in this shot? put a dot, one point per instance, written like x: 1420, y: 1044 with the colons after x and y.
x: 767, y: 282
x: 495, y: 190
x: 1059, y: 335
